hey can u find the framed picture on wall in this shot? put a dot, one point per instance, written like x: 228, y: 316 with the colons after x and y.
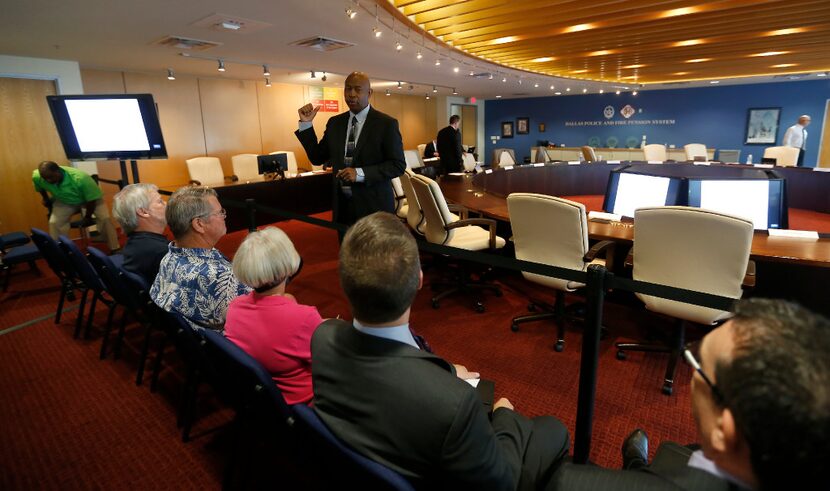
x: 507, y: 129
x: 522, y: 126
x: 541, y: 127
x: 762, y: 125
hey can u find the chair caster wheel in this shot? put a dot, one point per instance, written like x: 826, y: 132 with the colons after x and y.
x: 514, y: 327
x: 479, y: 307
x: 435, y: 304
x: 559, y: 346
x: 621, y: 355
x: 499, y: 293
x: 667, y: 388
x: 531, y: 307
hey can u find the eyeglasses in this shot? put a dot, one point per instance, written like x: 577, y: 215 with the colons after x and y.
x: 222, y: 212
x: 688, y: 353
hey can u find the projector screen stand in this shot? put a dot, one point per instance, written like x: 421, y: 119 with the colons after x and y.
x: 133, y: 167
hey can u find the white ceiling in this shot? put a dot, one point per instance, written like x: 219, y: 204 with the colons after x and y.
x: 120, y: 35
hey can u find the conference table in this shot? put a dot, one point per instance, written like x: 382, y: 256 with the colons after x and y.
x: 794, y: 268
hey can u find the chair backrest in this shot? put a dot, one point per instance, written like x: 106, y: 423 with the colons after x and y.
x: 51, y: 252
x: 729, y: 155
x: 469, y: 162
x: 336, y: 455
x: 243, y: 378
x: 437, y: 214
x: 540, y: 155
x: 113, y: 281
x: 206, y: 170
x: 548, y: 230
x: 397, y: 190
x: 414, y: 215
x: 655, y: 152
x: 784, y: 156
x: 292, y: 160
x: 86, y: 273
x: 691, y: 248
x: 412, y: 159
x: 421, y: 148
x: 695, y: 150
x: 245, y: 166
x: 503, y: 156
x: 589, y: 154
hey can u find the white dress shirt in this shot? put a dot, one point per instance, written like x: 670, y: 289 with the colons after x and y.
x: 401, y: 333
x: 361, y: 118
x: 796, y: 136
x: 699, y: 461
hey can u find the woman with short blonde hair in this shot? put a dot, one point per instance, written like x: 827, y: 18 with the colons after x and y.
x: 268, y: 323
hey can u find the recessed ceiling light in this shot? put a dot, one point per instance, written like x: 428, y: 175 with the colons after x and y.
x: 784, y: 32
x: 456, y: 69
x: 602, y: 52
x: 634, y: 66
x: 784, y: 65
x: 601, y: 91
x: 821, y: 74
x: 688, y: 42
x: 552, y: 87
x: 634, y: 93
x: 557, y: 93
x: 543, y: 59
x: 567, y: 89
x: 617, y: 92
x: 580, y: 71
x: 231, y: 25
x: 498, y: 97
x: 770, y: 53
x: 584, y: 91
x: 681, y: 73
x: 677, y: 12
x: 579, y: 27
x: 714, y: 81
x: 698, y: 60
x: 506, y: 39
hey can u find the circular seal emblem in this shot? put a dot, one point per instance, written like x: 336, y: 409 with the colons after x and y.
x: 627, y: 111
x: 608, y: 112
x: 594, y: 141
x: 612, y: 142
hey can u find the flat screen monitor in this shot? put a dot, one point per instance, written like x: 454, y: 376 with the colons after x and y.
x: 758, y: 200
x: 629, y: 191
x: 268, y: 164
x: 111, y: 127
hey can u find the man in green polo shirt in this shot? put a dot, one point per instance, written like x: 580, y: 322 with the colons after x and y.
x: 73, y: 191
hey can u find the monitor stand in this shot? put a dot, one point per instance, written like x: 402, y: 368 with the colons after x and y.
x: 133, y: 167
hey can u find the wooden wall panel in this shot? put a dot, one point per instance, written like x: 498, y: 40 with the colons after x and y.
x: 27, y: 137
x: 231, y: 118
x: 415, y: 114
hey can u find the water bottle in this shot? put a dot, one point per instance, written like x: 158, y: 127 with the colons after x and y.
x: 749, y: 159
x: 643, y: 144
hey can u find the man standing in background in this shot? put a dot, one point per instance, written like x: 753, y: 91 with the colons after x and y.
x: 449, y: 147
x: 796, y: 137
x: 73, y: 191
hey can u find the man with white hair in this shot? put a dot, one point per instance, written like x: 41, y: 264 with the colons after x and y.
x: 796, y: 137
x: 140, y: 211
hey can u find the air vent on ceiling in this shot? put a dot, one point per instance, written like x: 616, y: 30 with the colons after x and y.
x: 482, y: 75
x: 178, y: 42
x: 229, y: 23
x: 321, y: 43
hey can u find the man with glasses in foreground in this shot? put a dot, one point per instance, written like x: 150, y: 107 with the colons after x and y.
x: 194, y: 279
x: 761, y: 402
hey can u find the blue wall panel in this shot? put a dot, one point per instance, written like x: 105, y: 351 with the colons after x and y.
x: 713, y: 115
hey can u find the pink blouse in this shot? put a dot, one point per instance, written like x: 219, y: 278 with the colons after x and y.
x: 276, y: 331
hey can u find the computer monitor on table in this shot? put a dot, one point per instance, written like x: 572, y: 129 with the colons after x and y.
x: 272, y: 163
x: 759, y: 200
x: 628, y: 191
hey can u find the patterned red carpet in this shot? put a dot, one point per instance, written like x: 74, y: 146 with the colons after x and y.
x: 71, y: 421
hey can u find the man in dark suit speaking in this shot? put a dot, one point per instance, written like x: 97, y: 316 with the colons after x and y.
x: 364, y: 148
x: 449, y: 146
x: 396, y: 403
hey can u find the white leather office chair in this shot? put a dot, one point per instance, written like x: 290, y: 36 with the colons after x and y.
x: 421, y: 149
x: 540, y: 156
x: 444, y: 227
x: 469, y: 162
x: 654, y: 152
x: 414, y: 216
x: 589, y: 154
x: 205, y: 170
x: 729, y: 155
x: 401, y: 205
x: 784, y: 156
x: 245, y: 167
x: 412, y: 159
x: 292, y: 161
x: 694, y: 249
x: 553, y: 231
x: 499, y: 159
x: 695, y: 150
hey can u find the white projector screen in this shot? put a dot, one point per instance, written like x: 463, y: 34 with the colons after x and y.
x: 108, y: 125
x: 638, y: 191
x: 745, y: 199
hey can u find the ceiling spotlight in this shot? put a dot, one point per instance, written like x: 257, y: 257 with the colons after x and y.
x: 456, y: 69
x: 634, y: 93
x: 377, y: 32
x: 584, y: 91
x: 567, y: 89
x: 557, y: 93
x: 427, y: 96
x: 221, y: 66
x: 324, y: 77
x: 313, y: 75
x: 617, y: 92
x: 267, y: 82
x: 419, y: 55
x: 490, y: 77
x: 398, y: 46
x: 170, y: 75
x: 498, y: 97
x: 601, y: 91
x: 265, y: 71
x: 472, y: 73
x: 351, y: 13
x: 230, y: 25
x: 400, y: 85
x: 437, y: 62
x: 536, y: 85
x: 454, y: 92
x: 552, y: 87
x: 714, y: 81
x: 411, y: 86
x: 434, y: 89
x: 821, y: 74
x: 520, y: 81
x: 504, y: 79
x: 388, y: 93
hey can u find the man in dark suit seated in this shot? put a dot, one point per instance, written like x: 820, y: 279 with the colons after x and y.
x: 761, y: 401
x: 431, y: 150
x: 449, y: 146
x: 364, y: 148
x: 404, y: 407
x: 140, y: 211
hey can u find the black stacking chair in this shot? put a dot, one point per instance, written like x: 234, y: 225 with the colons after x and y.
x: 90, y: 280
x: 15, y: 250
x: 339, y: 462
x: 62, y: 268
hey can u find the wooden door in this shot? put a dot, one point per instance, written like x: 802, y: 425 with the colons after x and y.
x: 469, y: 132
x: 27, y: 137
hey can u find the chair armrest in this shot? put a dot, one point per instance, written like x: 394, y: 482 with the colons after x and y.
x: 749, y: 277
x: 194, y: 182
x: 607, y: 248
x: 462, y: 212
x: 487, y: 222
x: 629, y: 259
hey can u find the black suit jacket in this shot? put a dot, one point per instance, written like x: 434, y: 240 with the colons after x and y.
x: 378, y: 151
x: 668, y: 472
x: 450, y: 150
x: 406, y: 409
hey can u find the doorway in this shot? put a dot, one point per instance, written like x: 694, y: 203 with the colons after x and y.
x: 469, y: 122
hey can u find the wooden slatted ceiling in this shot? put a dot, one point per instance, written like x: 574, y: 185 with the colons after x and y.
x: 633, y: 40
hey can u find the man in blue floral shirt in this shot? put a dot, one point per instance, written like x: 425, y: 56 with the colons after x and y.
x: 194, y: 279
